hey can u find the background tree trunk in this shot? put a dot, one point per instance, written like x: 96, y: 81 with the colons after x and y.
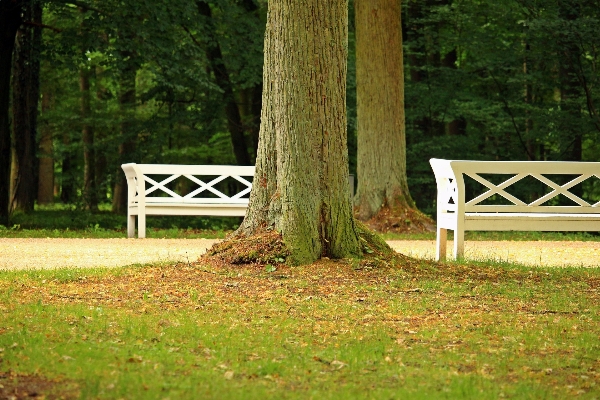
x: 26, y: 88
x: 99, y: 138
x: 381, y: 162
x: 301, y: 183
x: 232, y: 112
x: 45, y: 193
x: 68, y: 168
x: 127, y: 102
x: 90, y: 192
x: 10, y: 20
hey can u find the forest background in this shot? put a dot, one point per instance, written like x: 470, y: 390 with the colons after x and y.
x: 97, y: 84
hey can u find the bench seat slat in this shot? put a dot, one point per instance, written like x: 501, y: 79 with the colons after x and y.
x: 532, y: 222
x: 194, y: 200
x: 220, y: 210
x: 524, y: 216
x: 533, y: 209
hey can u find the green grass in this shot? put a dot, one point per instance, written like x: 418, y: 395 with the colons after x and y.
x: 60, y: 221
x: 447, y: 331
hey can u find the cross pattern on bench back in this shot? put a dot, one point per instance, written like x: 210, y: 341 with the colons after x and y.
x: 202, y: 187
x: 556, y: 190
x: 142, y: 183
x: 515, y: 170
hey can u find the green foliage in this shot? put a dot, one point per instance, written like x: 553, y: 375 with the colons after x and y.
x: 514, y: 80
x: 178, y: 113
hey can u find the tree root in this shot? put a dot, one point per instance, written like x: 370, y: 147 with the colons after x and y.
x: 268, y: 248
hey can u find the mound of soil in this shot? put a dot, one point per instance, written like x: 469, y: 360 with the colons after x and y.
x: 406, y: 220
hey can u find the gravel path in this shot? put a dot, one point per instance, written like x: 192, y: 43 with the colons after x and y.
x: 56, y: 253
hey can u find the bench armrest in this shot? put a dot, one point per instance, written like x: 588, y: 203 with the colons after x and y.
x: 450, y: 186
x: 135, y: 184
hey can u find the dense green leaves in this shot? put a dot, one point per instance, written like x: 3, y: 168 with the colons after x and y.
x: 177, y: 115
x: 510, y: 80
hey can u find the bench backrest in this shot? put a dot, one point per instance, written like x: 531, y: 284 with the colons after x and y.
x: 449, y: 175
x: 140, y: 192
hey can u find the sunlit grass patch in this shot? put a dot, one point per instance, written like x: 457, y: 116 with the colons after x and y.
x: 424, y: 330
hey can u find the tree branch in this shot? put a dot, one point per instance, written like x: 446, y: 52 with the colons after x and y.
x: 192, y: 37
x: 38, y: 25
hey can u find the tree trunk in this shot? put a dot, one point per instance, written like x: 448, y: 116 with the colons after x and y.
x: 25, y: 105
x: 90, y: 193
x: 10, y: 20
x: 301, y: 181
x: 381, y: 162
x: 250, y: 106
x: 570, y: 92
x: 456, y: 126
x: 67, y: 184
x: 127, y: 103
x: 254, y: 98
x: 255, y: 111
x: 99, y: 139
x: 232, y: 112
x: 46, y: 158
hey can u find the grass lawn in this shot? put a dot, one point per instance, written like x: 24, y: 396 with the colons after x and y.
x: 328, y: 330
x: 59, y: 221
x: 65, y: 222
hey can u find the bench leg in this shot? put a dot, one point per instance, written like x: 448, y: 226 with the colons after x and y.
x: 141, y: 226
x: 440, y: 246
x: 130, y: 226
x: 459, y: 243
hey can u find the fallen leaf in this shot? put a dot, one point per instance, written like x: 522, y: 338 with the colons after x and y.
x: 338, y: 364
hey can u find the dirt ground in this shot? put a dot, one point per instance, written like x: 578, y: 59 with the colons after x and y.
x: 57, y: 253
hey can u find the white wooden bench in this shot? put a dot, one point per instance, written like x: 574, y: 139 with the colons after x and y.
x: 158, y: 199
x: 456, y: 213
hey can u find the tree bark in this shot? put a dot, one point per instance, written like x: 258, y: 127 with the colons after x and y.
x: 25, y: 105
x: 67, y: 183
x: 10, y: 20
x: 570, y: 92
x: 232, y: 112
x: 127, y: 101
x: 99, y: 139
x: 90, y: 192
x: 456, y: 126
x: 381, y: 161
x: 301, y: 182
x: 46, y: 158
